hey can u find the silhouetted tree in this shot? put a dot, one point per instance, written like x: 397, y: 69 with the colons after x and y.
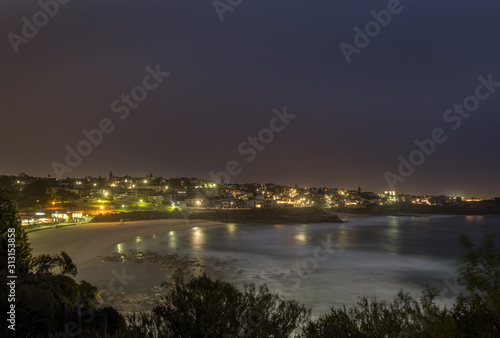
x: 207, y: 308
x: 39, y: 297
x: 45, y: 264
x: 473, y: 315
x: 65, y: 196
x: 7, y: 183
x: 35, y: 195
x: 480, y: 272
x: 10, y: 224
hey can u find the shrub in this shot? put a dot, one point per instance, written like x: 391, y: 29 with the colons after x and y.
x: 203, y: 307
x: 473, y: 315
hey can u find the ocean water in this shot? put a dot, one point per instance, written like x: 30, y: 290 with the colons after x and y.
x: 324, y: 265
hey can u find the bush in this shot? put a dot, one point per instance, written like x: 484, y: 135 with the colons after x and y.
x: 9, y: 219
x: 480, y: 272
x: 207, y: 308
x: 43, y: 294
x: 45, y: 264
x: 473, y: 315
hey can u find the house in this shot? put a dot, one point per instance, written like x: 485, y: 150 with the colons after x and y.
x: 143, y: 193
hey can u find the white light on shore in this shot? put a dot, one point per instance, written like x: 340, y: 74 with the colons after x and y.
x: 119, y: 248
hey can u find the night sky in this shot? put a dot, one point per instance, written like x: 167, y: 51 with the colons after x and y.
x: 352, y: 120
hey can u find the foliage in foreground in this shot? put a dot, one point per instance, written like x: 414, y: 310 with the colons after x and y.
x: 404, y: 317
x: 44, y: 289
x: 207, y: 308
x: 47, y: 302
x: 203, y: 307
x: 9, y: 220
x: 474, y: 315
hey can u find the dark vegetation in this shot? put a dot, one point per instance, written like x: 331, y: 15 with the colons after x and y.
x: 203, y: 307
x: 489, y: 207
x: 49, y: 301
x: 282, y: 215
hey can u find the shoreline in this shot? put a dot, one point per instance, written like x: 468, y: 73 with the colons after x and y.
x: 86, y: 241
x: 130, y: 281
x: 423, y: 210
x: 134, y: 278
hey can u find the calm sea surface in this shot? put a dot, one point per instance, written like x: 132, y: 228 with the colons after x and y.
x: 325, y: 265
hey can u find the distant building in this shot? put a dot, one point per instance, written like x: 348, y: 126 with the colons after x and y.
x: 143, y: 193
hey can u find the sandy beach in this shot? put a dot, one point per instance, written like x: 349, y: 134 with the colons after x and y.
x: 83, y: 242
x: 130, y: 281
x: 134, y: 280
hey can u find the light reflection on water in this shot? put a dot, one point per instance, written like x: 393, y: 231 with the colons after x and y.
x: 301, y: 237
x: 231, y: 229
x: 197, y: 239
x: 474, y: 219
x: 373, y: 255
x: 343, y: 242
x: 392, y: 235
x: 119, y: 248
x: 423, y: 236
x: 172, y: 240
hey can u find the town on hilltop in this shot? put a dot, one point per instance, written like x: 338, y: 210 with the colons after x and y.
x: 51, y: 200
